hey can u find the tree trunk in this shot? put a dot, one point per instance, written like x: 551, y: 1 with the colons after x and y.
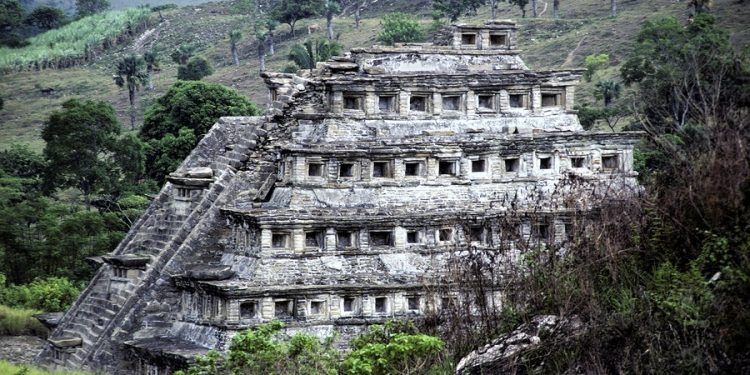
x: 523, y: 12
x: 270, y: 43
x: 613, y: 8
x: 291, y: 28
x: 329, y: 25
x: 493, y: 7
x: 556, y: 8
x: 261, y: 57
x: 533, y: 8
x: 235, y: 57
x: 150, y: 72
x: 131, y: 96
x: 356, y: 17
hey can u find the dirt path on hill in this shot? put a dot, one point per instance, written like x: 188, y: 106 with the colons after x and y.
x: 571, y: 55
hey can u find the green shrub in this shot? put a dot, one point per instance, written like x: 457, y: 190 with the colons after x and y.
x: 400, y: 27
x: 395, y: 348
x: 19, y: 321
x: 195, y: 69
x: 50, y: 294
x: 11, y: 368
x: 266, y: 350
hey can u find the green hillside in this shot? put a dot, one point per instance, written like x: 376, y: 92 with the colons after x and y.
x: 584, y: 28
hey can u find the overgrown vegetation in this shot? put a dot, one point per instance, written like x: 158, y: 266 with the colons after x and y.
x: 9, y: 368
x: 75, y: 42
x: 400, y: 28
x: 393, y: 349
x: 20, y: 321
x: 176, y: 122
x: 658, y: 278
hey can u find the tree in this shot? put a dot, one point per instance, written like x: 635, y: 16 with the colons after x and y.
x: 234, y: 37
x: 594, y: 62
x: 271, y: 25
x: 261, y: 36
x: 195, y: 69
x: 456, y: 8
x: 533, y: 8
x: 190, y: 105
x: 88, y: 7
x: 11, y: 14
x: 608, y: 91
x: 330, y: 9
x: 20, y: 161
x: 306, y: 55
x: 700, y: 6
x: 521, y: 4
x: 46, y: 17
x: 183, y: 53
x: 400, y: 27
x: 130, y: 72
x: 291, y: 11
x: 80, y: 140
x: 556, y: 8
x: 152, y: 63
x: 357, y: 13
x: 613, y: 8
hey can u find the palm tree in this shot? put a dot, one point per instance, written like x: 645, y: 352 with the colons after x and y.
x: 234, y: 37
x: 308, y: 54
x: 183, y: 53
x: 330, y: 9
x: 152, y: 62
x: 271, y: 25
x: 261, y: 36
x: 607, y: 90
x: 130, y: 72
x: 613, y: 8
x: 556, y: 8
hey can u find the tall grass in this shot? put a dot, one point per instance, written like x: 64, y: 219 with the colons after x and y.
x: 15, y: 322
x: 9, y: 368
x: 75, y: 42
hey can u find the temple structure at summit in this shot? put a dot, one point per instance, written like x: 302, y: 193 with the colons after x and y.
x: 344, y: 205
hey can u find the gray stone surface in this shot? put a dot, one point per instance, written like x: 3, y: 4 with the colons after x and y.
x: 20, y: 349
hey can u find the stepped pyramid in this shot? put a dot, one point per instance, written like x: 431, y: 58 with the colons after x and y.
x: 343, y: 206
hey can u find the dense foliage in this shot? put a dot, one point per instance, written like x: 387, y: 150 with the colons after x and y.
x: 46, y: 17
x: 308, y: 54
x: 400, y: 28
x: 195, y: 69
x: 397, y: 348
x: 43, y: 294
x: 175, y: 123
x: 90, y: 7
x: 659, y: 279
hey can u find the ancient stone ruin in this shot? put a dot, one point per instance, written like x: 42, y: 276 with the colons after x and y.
x: 343, y: 205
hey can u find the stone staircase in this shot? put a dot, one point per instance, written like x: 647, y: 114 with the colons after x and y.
x: 159, y: 233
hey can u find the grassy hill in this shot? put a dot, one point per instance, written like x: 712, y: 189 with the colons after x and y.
x: 584, y: 28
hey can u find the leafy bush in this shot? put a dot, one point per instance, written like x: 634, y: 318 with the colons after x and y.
x: 400, y: 27
x: 383, y: 351
x: 195, y: 69
x: 15, y: 369
x: 49, y: 294
x: 265, y: 350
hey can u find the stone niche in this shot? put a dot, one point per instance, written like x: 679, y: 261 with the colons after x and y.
x: 126, y: 267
